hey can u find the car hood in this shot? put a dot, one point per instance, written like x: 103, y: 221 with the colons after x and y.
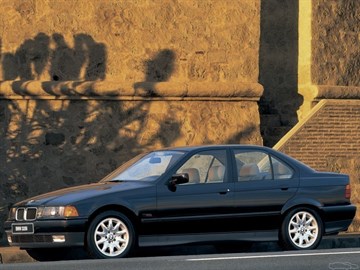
x: 74, y: 194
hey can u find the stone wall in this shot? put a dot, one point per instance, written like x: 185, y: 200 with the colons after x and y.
x: 86, y: 85
x: 335, y: 40
x: 49, y: 143
x: 329, y: 140
x: 278, y: 67
x: 130, y: 40
x: 328, y: 51
x: 305, y: 45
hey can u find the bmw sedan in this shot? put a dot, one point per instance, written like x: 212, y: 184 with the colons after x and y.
x: 187, y: 195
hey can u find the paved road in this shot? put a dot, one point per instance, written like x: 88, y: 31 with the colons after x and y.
x: 315, y: 259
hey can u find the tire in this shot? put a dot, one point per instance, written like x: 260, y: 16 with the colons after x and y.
x: 110, y: 235
x: 301, y: 229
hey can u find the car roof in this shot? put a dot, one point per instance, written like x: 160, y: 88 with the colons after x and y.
x: 215, y: 146
x: 283, y: 156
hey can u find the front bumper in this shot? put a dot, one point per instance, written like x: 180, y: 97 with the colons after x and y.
x: 48, y: 233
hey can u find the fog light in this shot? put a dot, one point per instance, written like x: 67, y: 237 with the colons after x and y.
x: 58, y: 238
x: 9, y: 239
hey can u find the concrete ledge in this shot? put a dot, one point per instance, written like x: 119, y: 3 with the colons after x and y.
x: 125, y: 90
x: 337, y: 92
x: 314, y: 93
x: 317, y: 92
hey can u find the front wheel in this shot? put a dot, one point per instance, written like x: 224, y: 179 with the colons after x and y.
x: 110, y: 235
x: 301, y: 229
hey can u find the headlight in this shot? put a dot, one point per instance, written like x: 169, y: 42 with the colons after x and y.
x: 57, y: 211
x: 12, y: 213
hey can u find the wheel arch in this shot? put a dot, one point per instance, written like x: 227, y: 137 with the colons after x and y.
x: 113, y: 207
x: 302, y: 202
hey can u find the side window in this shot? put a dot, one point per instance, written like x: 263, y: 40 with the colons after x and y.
x: 281, y: 170
x: 206, y: 167
x: 253, y: 165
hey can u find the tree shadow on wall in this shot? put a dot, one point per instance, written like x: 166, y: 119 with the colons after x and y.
x: 52, y: 144
x: 87, y: 56
x: 29, y: 60
x: 86, y: 60
x: 158, y: 69
x: 278, y: 61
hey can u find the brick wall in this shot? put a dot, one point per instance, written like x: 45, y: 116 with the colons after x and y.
x: 329, y: 140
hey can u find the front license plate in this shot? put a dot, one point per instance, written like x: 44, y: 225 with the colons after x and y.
x: 25, y: 228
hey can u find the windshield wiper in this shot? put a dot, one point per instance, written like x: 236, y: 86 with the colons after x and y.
x: 116, y: 180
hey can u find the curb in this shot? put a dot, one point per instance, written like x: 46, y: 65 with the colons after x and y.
x: 14, y: 255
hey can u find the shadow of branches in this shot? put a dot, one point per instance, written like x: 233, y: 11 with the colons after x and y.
x: 52, y: 144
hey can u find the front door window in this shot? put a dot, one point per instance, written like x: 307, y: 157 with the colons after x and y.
x: 206, y: 167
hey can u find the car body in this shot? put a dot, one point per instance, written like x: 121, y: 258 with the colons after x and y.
x: 187, y: 195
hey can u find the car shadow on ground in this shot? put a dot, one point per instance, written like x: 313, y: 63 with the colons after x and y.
x: 226, y: 248
x: 220, y: 248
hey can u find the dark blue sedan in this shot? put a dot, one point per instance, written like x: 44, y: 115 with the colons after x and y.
x: 187, y: 195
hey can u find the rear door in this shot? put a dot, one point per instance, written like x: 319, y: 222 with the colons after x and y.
x: 263, y: 184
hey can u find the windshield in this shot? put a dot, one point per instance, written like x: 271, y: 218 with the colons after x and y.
x: 148, y: 167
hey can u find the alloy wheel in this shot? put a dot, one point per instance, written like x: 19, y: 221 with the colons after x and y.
x: 111, y: 237
x: 303, y: 229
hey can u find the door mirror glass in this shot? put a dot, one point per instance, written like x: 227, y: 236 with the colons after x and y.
x: 178, y: 179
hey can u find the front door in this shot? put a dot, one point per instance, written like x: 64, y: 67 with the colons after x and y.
x: 205, y: 204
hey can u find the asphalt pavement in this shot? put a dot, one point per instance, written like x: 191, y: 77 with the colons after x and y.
x: 13, y: 255
x: 333, y: 259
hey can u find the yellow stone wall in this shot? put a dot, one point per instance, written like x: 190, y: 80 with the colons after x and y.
x: 130, y: 40
x: 335, y: 41
x: 85, y: 85
x: 329, y: 52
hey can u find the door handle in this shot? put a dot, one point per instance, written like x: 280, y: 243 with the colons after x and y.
x: 224, y: 192
x: 284, y: 188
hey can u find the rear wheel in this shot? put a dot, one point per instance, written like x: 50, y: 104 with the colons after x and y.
x: 110, y: 235
x: 301, y: 229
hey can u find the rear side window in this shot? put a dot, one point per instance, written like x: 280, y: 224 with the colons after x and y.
x: 253, y: 165
x: 257, y: 165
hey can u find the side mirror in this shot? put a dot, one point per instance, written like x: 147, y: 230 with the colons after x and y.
x: 178, y: 179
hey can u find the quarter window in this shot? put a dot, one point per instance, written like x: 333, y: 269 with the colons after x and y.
x: 281, y: 170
